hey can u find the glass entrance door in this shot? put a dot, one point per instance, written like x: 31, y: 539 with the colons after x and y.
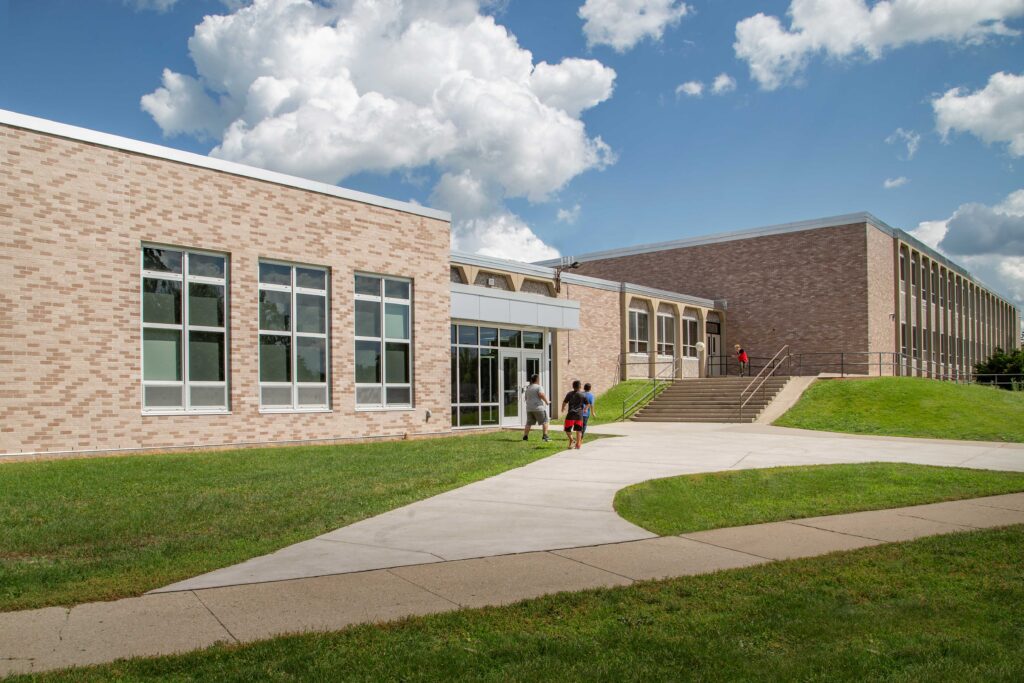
x: 511, y: 389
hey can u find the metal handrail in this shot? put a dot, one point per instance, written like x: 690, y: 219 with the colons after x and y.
x: 647, y: 390
x: 771, y: 364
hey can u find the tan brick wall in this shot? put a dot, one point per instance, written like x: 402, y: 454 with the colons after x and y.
x: 72, y: 217
x: 807, y: 289
x: 590, y: 354
x: 882, y: 287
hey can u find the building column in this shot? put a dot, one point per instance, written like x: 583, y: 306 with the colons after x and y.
x: 624, y: 346
x: 652, y: 348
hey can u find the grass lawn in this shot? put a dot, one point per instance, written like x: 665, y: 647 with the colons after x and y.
x: 695, y: 502
x: 945, y: 608
x: 907, y: 406
x: 96, y: 529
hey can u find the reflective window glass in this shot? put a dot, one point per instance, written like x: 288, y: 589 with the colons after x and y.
x: 161, y: 355
x: 310, y: 278
x: 161, y: 301
x: 275, y: 310
x: 206, y: 265
x: 205, y: 304
x: 206, y: 356
x: 368, y: 361
x: 367, y: 284
x: 161, y: 260
x: 275, y: 358
x: 396, y: 321
x: 275, y: 274
x: 310, y: 313
x: 311, y: 359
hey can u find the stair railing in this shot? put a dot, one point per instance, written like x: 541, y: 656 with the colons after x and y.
x: 761, y: 377
x: 630, y: 403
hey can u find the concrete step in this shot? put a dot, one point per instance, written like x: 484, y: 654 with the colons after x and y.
x: 711, y: 400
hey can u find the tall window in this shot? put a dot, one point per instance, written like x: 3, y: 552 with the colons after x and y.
x: 294, y: 332
x: 184, y: 330
x: 639, y: 330
x: 383, y: 342
x: 690, y: 337
x: 666, y: 334
x: 903, y: 338
x: 903, y: 273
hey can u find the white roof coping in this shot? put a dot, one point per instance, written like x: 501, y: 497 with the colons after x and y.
x: 494, y: 263
x: 86, y: 135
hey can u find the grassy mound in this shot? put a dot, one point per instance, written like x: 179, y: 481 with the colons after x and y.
x: 907, y: 406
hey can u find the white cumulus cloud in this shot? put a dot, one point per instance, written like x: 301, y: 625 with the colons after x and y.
x: 326, y: 89
x: 910, y: 138
x: 621, y: 24
x: 893, y: 183
x: 690, y: 88
x: 502, y: 235
x: 995, y: 113
x: 842, y: 29
x: 570, y: 215
x: 723, y: 83
x: 987, y: 240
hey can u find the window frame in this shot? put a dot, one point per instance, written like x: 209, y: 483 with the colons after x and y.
x: 689, y: 345
x: 294, y: 385
x: 634, y: 342
x: 184, y: 328
x: 666, y: 349
x: 384, y: 340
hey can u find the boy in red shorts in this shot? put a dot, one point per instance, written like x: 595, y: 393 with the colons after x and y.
x: 573, y: 404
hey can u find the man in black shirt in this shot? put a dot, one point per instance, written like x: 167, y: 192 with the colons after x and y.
x: 575, y: 401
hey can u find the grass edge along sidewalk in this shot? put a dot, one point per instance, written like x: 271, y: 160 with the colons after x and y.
x: 84, y: 530
x: 910, y: 406
x: 697, y: 502
x: 938, y: 608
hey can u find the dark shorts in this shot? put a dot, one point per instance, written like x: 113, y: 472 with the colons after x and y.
x: 573, y: 425
x: 536, y: 417
x: 586, y: 419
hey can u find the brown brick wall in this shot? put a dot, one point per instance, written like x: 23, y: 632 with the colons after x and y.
x: 591, y: 353
x: 807, y: 289
x: 72, y: 217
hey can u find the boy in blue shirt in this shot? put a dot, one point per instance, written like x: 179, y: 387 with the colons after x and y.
x: 588, y: 409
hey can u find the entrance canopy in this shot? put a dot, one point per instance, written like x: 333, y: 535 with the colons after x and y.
x: 484, y: 304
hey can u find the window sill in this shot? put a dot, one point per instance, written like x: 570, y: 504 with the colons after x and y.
x: 384, y: 409
x: 146, y: 413
x: 276, y: 411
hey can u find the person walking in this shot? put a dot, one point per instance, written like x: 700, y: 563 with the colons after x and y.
x: 536, y: 408
x: 743, y: 359
x: 573, y: 405
x: 588, y: 411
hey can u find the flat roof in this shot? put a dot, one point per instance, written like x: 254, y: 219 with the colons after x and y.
x: 779, y: 229
x: 63, y: 130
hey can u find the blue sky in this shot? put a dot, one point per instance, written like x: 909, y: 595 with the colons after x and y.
x: 813, y: 146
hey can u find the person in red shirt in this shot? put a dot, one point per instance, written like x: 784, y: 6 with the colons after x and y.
x: 744, y: 360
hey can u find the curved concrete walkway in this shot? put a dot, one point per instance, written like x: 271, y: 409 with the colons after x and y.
x: 565, y: 501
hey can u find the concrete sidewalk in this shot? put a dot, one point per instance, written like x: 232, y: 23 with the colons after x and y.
x: 166, y: 623
x: 566, y: 500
